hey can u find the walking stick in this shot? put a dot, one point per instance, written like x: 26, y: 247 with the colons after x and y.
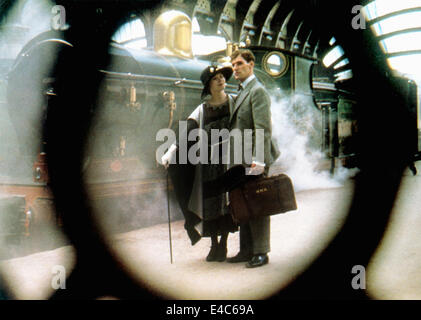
x: 169, y: 216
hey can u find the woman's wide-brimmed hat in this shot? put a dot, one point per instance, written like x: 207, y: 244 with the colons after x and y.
x: 210, y: 72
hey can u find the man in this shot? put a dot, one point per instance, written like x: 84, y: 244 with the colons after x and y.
x: 252, y: 111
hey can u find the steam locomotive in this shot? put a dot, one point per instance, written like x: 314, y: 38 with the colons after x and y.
x: 144, y: 91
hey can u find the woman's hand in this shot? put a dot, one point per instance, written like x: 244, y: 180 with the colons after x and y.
x: 167, y: 157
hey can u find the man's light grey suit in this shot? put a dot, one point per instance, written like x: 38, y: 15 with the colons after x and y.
x: 252, y: 111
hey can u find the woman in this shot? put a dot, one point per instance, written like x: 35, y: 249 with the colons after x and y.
x: 213, y: 113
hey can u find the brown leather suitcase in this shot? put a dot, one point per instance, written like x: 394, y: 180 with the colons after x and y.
x: 262, y: 197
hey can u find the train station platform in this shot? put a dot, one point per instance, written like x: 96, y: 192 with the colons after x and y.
x: 297, y: 238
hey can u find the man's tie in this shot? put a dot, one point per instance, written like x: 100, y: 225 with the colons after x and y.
x: 240, y: 87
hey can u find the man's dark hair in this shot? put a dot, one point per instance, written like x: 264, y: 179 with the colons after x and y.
x: 245, y: 53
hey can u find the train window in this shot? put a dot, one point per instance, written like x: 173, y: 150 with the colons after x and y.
x: 275, y: 63
x: 131, y: 34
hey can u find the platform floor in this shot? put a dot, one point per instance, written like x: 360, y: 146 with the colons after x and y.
x: 297, y: 238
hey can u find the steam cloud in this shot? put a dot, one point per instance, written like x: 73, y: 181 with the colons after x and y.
x: 297, y: 128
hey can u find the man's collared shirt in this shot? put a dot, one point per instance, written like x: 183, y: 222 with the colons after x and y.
x: 247, y: 81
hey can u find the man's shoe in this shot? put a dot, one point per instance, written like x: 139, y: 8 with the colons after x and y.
x: 258, y: 260
x: 240, y: 257
x: 413, y: 169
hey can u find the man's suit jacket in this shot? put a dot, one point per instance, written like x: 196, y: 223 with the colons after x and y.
x: 252, y: 111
